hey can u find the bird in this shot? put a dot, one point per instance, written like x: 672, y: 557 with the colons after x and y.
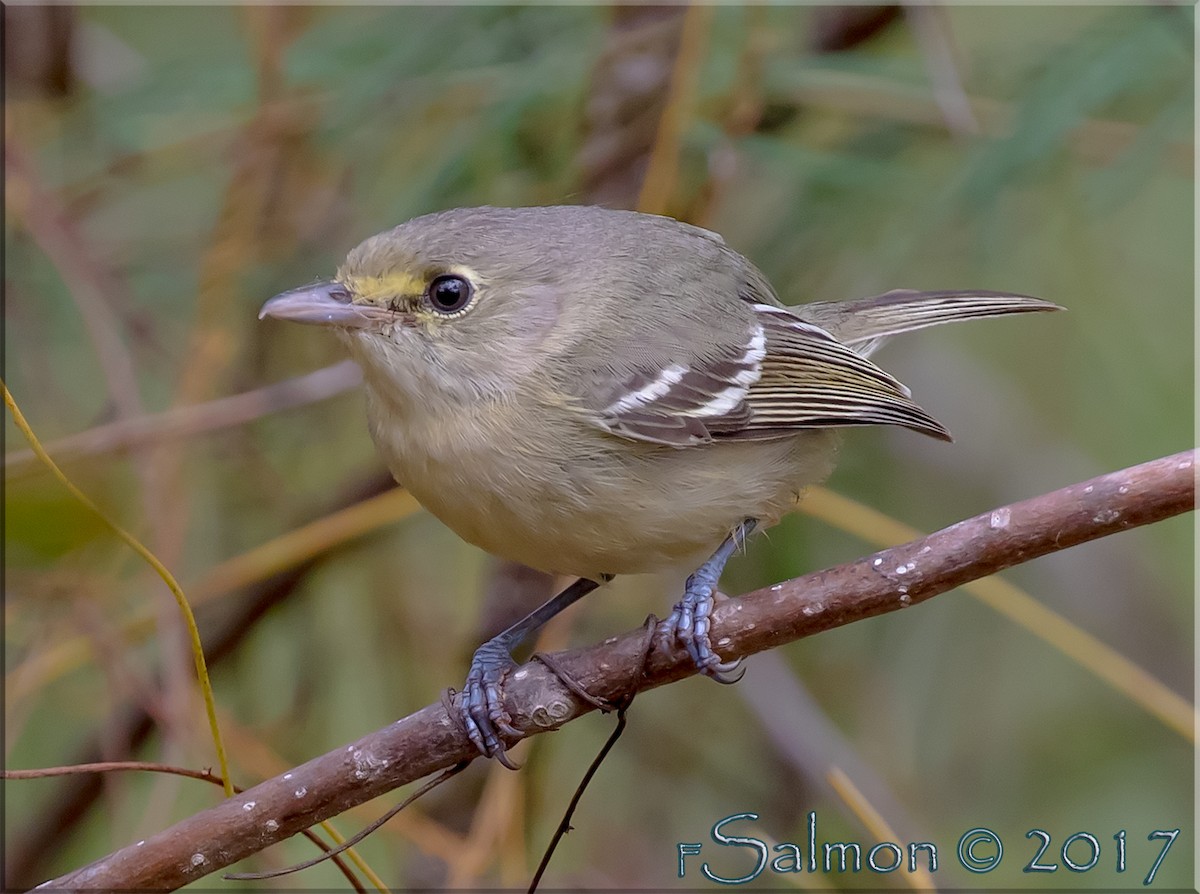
x: 595, y: 392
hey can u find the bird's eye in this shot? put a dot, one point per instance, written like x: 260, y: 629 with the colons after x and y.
x: 449, y: 294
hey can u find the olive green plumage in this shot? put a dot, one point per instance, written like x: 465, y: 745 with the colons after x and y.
x: 596, y: 392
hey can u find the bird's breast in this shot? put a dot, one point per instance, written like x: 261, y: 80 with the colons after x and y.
x: 573, y: 500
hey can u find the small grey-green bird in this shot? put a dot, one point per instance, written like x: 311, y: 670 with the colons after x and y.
x: 595, y: 392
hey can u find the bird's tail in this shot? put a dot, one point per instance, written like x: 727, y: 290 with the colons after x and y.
x: 865, y: 323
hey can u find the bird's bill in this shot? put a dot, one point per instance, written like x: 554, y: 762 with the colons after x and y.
x: 324, y: 304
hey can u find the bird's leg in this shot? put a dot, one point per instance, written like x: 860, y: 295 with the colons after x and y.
x: 482, y: 705
x: 688, y: 622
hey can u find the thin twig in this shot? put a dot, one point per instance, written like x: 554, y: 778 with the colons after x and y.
x: 430, y: 740
x: 111, y: 767
x: 197, y: 419
x: 564, y: 825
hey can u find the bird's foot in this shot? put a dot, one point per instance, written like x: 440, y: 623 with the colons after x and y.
x: 482, y: 705
x: 688, y: 624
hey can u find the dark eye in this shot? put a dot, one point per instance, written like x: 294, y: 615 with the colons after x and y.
x: 449, y: 294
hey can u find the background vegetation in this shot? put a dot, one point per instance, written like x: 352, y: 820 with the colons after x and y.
x: 168, y: 169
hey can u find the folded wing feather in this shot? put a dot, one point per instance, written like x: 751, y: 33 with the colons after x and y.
x: 794, y: 368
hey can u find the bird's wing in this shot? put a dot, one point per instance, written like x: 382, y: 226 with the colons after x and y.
x: 810, y: 379
x: 778, y: 375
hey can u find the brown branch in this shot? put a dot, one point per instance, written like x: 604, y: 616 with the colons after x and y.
x: 430, y: 740
x: 205, y: 775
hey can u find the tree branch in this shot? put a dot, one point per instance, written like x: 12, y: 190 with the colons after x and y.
x: 430, y: 740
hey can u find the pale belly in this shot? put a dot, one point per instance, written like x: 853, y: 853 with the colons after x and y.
x: 586, y: 505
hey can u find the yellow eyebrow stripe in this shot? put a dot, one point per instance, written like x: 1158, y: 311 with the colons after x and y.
x: 382, y: 288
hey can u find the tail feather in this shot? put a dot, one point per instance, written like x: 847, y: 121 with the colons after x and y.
x: 865, y: 323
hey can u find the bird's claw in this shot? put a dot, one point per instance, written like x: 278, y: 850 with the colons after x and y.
x: 688, y: 624
x: 482, y: 706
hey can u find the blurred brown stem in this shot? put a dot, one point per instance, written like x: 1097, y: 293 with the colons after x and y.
x: 91, y: 284
x: 931, y: 29
x: 196, y: 419
x: 658, y: 185
x: 430, y: 740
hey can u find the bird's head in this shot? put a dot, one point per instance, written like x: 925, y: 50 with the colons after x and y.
x: 428, y: 302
